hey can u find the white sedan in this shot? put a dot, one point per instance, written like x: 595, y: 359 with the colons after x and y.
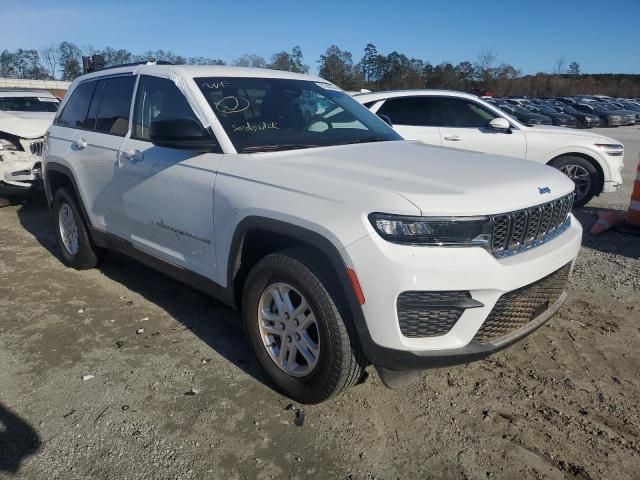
x: 464, y: 121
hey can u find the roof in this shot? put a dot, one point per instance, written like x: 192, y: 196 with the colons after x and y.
x: 202, y: 71
x: 24, y: 92
x: 375, y: 96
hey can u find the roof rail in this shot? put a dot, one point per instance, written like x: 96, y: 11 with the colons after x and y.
x: 95, y: 63
x: 145, y: 62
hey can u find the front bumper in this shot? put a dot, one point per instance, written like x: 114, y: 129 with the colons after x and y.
x: 20, y: 172
x: 401, y: 366
x: 613, y: 178
x: 386, y: 270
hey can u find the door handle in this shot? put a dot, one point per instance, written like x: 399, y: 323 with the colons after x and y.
x: 134, y: 156
x: 80, y: 144
x: 453, y: 138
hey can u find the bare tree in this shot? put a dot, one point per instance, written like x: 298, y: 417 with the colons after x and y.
x: 49, y: 57
x: 560, y: 66
x: 486, y: 66
x: 255, y: 61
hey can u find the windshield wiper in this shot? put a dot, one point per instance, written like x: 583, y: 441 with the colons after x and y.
x: 365, y: 140
x: 275, y: 148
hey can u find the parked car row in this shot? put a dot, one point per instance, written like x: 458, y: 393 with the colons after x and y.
x: 464, y: 121
x: 574, y: 112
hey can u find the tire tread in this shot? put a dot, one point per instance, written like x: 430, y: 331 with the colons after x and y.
x: 348, y: 367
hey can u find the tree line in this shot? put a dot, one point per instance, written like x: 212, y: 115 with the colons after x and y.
x: 373, y: 71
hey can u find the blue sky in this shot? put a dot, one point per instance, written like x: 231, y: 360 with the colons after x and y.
x: 602, y: 36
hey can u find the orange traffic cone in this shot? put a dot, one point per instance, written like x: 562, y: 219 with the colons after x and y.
x: 606, y: 220
x: 632, y: 218
x: 633, y: 214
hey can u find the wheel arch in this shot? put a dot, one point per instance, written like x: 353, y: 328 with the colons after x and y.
x: 255, y: 237
x: 57, y: 176
x: 274, y: 235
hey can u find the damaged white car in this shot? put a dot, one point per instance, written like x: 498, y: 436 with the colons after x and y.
x: 25, y: 116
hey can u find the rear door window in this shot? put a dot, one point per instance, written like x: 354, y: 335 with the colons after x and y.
x: 462, y: 113
x: 76, y: 109
x: 90, y: 122
x: 115, y: 105
x: 417, y: 111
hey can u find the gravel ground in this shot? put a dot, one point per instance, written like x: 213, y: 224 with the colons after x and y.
x: 175, y: 393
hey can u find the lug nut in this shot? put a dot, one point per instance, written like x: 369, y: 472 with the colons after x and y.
x: 286, y: 315
x: 296, y: 322
x: 289, y: 338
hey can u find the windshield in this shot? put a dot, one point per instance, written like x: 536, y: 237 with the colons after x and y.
x: 267, y: 114
x: 29, y: 104
x: 520, y: 110
x: 567, y: 109
x: 545, y: 109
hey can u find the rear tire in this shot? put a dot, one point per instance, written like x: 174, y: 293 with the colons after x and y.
x: 584, y: 175
x: 76, y: 247
x: 338, y: 362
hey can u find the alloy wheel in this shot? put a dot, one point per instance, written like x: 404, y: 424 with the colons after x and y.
x: 68, y: 229
x: 580, y: 177
x: 289, y: 329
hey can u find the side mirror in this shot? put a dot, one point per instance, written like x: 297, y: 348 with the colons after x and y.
x: 385, y: 119
x: 182, y: 133
x: 500, y: 123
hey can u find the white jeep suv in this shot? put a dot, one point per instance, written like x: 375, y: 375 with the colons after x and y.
x: 342, y: 244
x: 25, y: 116
x: 462, y: 120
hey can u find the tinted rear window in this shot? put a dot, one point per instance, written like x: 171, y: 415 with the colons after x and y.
x: 113, y: 114
x: 418, y: 111
x: 75, y: 111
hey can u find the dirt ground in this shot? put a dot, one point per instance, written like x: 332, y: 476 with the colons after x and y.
x: 176, y: 393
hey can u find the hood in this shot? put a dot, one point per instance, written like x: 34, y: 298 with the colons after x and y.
x: 576, y: 135
x: 540, y: 116
x: 624, y: 113
x: 563, y: 116
x: 437, y: 180
x: 26, y: 124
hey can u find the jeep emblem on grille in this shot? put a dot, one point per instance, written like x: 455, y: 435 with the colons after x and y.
x: 543, y: 190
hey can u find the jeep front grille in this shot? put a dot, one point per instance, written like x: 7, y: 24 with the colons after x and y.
x: 431, y: 314
x: 523, y: 229
x: 516, y: 309
x: 36, y: 147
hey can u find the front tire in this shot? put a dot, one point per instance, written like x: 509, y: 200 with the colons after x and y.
x: 584, y: 175
x: 76, y: 247
x: 296, y: 329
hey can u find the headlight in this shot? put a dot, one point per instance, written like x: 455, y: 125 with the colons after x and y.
x: 613, y: 149
x: 6, y: 145
x: 610, y: 146
x: 454, y: 231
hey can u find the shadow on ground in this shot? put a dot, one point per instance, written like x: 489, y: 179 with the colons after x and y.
x: 214, y: 323
x: 18, y: 440
x: 611, y: 241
